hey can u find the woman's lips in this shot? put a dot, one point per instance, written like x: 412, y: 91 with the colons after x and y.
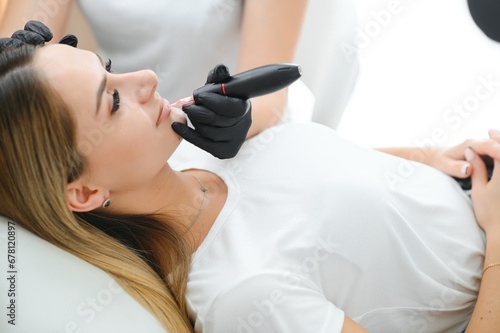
x: 164, y: 112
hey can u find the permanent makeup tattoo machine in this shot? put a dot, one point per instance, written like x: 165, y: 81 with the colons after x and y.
x: 252, y: 83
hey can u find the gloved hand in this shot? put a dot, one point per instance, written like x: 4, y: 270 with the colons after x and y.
x: 221, y: 123
x: 34, y: 33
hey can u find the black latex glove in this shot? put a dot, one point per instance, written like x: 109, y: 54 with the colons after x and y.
x: 34, y: 33
x: 221, y: 123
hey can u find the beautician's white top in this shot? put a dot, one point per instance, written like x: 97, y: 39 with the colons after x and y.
x: 315, y: 227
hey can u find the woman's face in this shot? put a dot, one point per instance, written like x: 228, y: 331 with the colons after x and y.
x: 123, y: 125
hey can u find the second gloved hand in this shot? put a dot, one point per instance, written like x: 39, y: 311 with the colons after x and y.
x: 221, y: 123
x: 34, y: 33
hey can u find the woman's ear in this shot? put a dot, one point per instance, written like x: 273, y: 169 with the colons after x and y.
x: 82, y: 198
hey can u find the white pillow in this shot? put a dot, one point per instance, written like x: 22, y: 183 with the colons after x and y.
x: 51, y: 290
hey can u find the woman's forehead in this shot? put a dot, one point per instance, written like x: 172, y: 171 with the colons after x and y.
x: 74, y: 74
x: 62, y: 58
x: 66, y: 67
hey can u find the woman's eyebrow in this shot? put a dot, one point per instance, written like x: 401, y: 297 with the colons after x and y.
x: 100, y: 59
x: 101, y: 88
x: 100, y: 91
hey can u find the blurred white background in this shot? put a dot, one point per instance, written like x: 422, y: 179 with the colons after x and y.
x: 422, y: 75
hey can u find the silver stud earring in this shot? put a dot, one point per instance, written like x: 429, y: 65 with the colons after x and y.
x: 106, y: 203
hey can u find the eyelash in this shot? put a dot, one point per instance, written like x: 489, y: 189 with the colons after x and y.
x: 116, y: 94
x: 116, y: 101
x: 108, y: 66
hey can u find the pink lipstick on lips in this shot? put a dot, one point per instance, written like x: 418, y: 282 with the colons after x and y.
x: 164, y: 111
x: 186, y: 101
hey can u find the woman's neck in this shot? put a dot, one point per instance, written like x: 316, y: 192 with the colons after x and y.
x: 208, y: 208
x: 194, y: 197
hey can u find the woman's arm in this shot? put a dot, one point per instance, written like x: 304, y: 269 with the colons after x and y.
x: 486, y: 200
x: 270, y: 33
x: 449, y: 160
x: 53, y: 13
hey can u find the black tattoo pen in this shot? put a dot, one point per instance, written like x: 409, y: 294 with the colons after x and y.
x: 252, y: 83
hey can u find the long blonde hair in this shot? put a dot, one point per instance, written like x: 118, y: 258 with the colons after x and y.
x: 38, y: 157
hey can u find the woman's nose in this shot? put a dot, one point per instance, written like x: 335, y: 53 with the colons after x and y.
x: 147, y: 83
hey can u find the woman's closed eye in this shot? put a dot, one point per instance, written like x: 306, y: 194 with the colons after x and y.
x: 116, y: 101
x: 116, y: 94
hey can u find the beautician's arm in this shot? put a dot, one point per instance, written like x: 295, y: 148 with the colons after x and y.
x: 270, y: 32
x: 350, y: 326
x: 486, y: 200
x: 53, y: 13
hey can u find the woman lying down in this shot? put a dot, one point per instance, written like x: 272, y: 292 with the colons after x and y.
x: 301, y: 232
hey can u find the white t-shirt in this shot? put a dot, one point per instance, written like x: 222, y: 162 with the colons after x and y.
x: 171, y: 37
x: 315, y: 227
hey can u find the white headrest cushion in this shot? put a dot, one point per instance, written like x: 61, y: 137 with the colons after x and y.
x: 51, y: 290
